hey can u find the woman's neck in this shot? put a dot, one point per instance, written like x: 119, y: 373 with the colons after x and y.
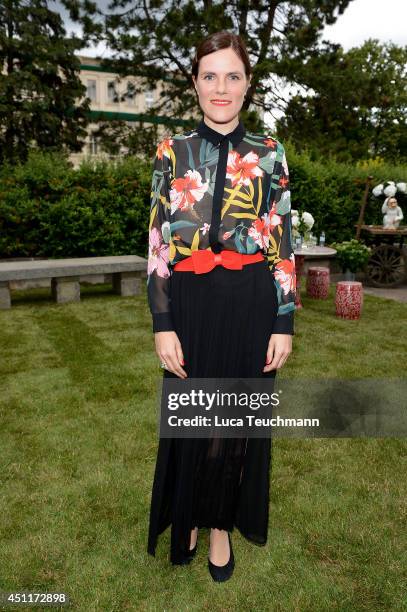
x: 222, y: 128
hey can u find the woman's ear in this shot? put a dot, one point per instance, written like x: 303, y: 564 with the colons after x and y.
x: 194, y: 83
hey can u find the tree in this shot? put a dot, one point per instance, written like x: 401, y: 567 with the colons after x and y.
x: 354, y: 105
x: 156, y: 41
x: 39, y: 82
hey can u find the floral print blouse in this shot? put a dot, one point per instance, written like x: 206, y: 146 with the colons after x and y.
x: 215, y: 191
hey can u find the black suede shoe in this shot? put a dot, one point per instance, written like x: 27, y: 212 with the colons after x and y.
x: 221, y: 573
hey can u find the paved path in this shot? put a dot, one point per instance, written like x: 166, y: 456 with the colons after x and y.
x: 397, y: 293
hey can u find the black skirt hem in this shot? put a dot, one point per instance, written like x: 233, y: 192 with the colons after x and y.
x: 151, y: 549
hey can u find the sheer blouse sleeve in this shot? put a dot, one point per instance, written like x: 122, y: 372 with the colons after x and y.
x: 158, y: 268
x: 280, y: 252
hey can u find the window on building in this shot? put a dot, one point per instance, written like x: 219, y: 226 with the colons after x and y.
x: 112, y: 95
x: 149, y: 98
x: 93, y: 144
x: 130, y: 94
x: 91, y: 89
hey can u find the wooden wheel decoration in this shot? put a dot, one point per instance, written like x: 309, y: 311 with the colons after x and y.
x: 386, y: 266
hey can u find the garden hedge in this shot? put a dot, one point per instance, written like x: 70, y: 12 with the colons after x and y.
x: 49, y: 209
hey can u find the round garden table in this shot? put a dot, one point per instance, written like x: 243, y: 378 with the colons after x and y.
x: 313, y: 252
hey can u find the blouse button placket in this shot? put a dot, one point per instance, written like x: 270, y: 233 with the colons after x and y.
x: 218, y: 195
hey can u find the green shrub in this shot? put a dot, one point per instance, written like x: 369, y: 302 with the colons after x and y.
x: 351, y: 255
x: 49, y: 209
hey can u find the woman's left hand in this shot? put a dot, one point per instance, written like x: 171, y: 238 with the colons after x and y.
x: 279, y: 348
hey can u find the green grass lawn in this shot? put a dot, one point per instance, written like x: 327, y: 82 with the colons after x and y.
x: 78, y: 445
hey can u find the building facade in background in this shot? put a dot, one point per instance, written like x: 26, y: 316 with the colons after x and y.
x: 111, y: 100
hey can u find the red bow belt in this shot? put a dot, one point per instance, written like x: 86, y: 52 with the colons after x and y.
x: 202, y: 261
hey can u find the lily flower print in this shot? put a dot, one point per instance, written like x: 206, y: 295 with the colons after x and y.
x: 158, y: 254
x: 260, y: 232
x: 261, y: 228
x: 272, y: 220
x: 285, y: 274
x: 164, y: 148
x: 187, y: 190
x: 242, y: 169
x: 271, y: 143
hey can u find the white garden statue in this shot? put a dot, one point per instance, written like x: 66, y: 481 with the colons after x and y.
x: 392, y: 213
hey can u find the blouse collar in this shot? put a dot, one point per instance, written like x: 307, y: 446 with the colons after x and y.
x: 216, y: 138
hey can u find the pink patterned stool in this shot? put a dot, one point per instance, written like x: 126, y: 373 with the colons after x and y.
x: 318, y: 283
x: 349, y: 299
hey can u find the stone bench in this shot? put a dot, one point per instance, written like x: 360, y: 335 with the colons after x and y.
x: 127, y: 272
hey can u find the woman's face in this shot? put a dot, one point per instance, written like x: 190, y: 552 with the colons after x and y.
x: 392, y: 203
x: 221, y: 77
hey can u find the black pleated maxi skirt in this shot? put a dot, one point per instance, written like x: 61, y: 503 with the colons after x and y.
x: 223, y: 319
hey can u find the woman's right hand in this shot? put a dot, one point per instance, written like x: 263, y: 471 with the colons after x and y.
x: 169, y: 350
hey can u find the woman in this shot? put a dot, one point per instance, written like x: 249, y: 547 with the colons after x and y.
x: 218, y: 189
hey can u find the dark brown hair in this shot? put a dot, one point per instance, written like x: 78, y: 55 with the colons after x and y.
x: 222, y: 40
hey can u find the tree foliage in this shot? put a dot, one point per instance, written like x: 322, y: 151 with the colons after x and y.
x: 156, y: 41
x: 357, y: 107
x: 40, y: 87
